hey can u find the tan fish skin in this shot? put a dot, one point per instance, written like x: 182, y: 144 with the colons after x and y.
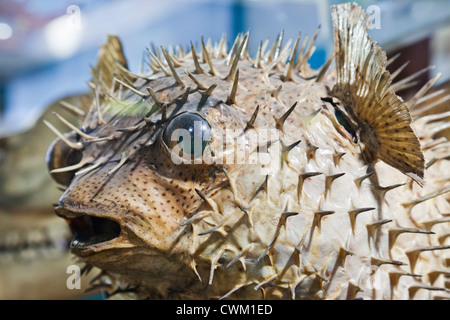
x: 284, y: 203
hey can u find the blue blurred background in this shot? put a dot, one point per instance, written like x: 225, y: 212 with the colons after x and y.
x: 47, y: 47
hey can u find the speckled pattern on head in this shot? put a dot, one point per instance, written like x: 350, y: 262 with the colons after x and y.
x: 339, y: 211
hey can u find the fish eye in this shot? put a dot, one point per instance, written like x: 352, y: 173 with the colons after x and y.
x: 187, y: 135
x: 60, y: 155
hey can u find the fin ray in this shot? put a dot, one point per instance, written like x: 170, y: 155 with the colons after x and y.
x: 364, y: 87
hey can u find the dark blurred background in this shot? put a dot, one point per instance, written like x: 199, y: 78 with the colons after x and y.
x: 47, y: 47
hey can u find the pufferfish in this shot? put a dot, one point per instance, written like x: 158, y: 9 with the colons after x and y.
x: 221, y: 176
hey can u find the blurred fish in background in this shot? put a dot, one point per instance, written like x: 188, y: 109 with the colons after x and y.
x: 48, y: 47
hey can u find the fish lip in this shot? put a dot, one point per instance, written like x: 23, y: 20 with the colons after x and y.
x: 95, y: 243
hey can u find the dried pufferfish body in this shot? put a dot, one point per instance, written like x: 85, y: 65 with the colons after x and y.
x: 318, y: 221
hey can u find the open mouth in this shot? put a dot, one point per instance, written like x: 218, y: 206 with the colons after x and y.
x: 89, y: 230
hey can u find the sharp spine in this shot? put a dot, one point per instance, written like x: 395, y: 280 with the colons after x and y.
x: 208, y: 60
x: 395, y: 232
x: 72, y: 108
x: 279, y: 122
x: 359, y: 181
x: 329, y: 180
x: 196, y: 81
x: 354, y: 213
x: 413, y: 254
x: 232, y: 97
x: 251, y: 122
x: 198, y: 68
x: 210, y: 90
x: 233, y: 69
x: 139, y: 93
x: 288, y: 72
x: 301, y: 179
x: 172, y: 67
x: 71, y: 144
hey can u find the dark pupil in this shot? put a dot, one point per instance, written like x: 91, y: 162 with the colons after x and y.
x: 190, y: 132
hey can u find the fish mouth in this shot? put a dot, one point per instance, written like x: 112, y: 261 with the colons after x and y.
x: 90, y: 230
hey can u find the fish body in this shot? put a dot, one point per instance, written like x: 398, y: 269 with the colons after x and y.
x: 218, y: 175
